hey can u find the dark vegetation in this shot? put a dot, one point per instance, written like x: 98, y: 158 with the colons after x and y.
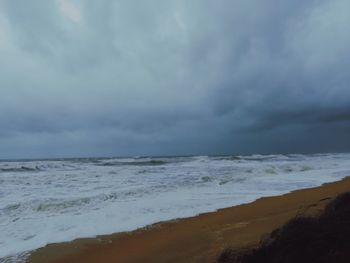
x: 322, y: 239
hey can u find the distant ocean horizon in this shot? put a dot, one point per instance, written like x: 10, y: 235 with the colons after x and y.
x: 45, y: 201
x: 136, y: 156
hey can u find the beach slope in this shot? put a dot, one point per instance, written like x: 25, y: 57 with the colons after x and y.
x: 196, y: 239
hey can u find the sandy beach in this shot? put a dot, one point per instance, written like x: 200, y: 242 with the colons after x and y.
x: 196, y: 239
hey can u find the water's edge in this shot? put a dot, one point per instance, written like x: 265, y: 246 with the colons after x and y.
x: 101, y: 238
x: 53, y: 201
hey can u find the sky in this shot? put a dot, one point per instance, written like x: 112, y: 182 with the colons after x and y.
x: 173, y: 77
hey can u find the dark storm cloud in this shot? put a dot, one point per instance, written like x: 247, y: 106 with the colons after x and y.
x: 173, y: 77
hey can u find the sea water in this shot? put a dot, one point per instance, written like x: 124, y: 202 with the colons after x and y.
x: 48, y: 201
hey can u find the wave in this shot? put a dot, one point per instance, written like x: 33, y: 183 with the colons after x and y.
x: 60, y: 205
x: 20, y: 169
x: 227, y: 158
x: 135, y: 163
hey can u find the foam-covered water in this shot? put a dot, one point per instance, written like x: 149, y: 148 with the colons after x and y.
x: 48, y: 201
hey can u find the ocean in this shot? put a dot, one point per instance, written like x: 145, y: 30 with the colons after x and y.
x: 49, y: 201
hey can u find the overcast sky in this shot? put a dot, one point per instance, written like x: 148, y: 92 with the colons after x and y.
x: 130, y: 77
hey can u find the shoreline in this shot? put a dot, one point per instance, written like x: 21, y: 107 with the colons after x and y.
x: 195, y: 239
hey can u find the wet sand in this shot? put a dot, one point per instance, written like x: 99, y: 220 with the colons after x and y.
x: 195, y: 239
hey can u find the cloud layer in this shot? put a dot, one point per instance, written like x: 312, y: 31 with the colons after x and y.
x: 91, y: 78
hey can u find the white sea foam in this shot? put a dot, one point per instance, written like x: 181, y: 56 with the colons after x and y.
x: 50, y: 201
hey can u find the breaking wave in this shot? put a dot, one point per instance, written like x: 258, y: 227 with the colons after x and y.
x: 47, y: 201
